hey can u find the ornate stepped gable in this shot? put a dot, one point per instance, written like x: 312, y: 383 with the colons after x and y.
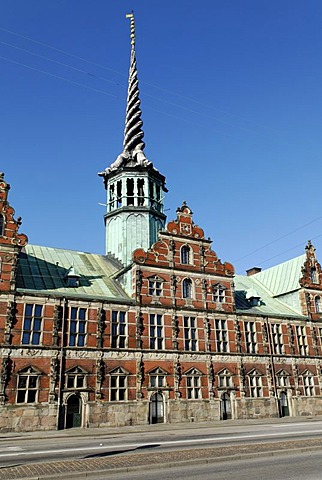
x: 183, y: 253
x: 11, y: 242
x: 311, y: 281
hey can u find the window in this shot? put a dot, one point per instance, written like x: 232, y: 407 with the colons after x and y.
x: 140, y: 191
x: 282, y: 379
x: 255, y: 384
x: 1, y: 224
x: 193, y: 384
x: 224, y: 379
x: 218, y: 294
x: 187, y: 288
x: 77, y: 327
x: 277, y: 338
x: 27, y: 387
x: 155, y: 286
x: 221, y: 335
x: 185, y: 255
x: 302, y: 340
x: 250, y: 337
x: 308, y: 384
x: 318, y: 304
x: 130, y: 191
x: 31, y: 332
x: 157, y: 378
x: 313, y: 274
x: 76, y: 378
x: 118, y: 329
x: 190, y: 333
x: 118, y: 385
x: 156, y: 331
x: 72, y: 281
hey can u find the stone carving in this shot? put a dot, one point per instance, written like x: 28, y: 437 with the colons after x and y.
x: 211, y: 378
x: 54, y: 377
x: 58, y: 316
x: 10, y: 321
x: 242, y: 375
x: 139, y: 329
x: 238, y: 336
x: 291, y: 338
x: 100, y: 377
x: 177, y: 378
x: 139, y: 378
x: 138, y: 284
x: 4, y: 377
x: 101, y: 317
x: 175, y: 331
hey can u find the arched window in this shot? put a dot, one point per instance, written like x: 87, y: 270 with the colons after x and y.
x: 313, y: 274
x: 1, y: 225
x: 185, y: 255
x: 318, y: 304
x: 187, y: 288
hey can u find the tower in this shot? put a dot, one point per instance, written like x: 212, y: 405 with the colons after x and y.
x: 134, y: 186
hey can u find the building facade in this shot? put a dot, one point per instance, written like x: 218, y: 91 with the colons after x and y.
x: 156, y: 330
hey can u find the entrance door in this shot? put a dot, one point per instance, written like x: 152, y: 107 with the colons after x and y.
x: 156, y: 408
x: 284, y: 405
x: 74, y: 412
x: 225, y: 406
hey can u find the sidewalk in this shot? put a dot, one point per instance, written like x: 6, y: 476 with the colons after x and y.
x: 162, y: 427
x: 100, y: 463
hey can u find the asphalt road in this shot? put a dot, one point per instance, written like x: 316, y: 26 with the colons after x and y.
x: 24, y: 450
x: 299, y: 466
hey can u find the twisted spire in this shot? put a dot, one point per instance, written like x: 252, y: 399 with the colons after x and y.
x: 133, y: 133
x: 133, y: 144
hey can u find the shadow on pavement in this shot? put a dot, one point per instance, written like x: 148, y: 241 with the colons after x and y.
x: 117, y: 452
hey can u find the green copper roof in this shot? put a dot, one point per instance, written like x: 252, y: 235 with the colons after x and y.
x: 282, y: 278
x: 267, y: 304
x: 45, y: 270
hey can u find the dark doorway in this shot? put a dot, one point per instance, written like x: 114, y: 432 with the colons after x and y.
x: 225, y: 406
x: 284, y: 410
x: 74, y: 412
x: 156, y: 408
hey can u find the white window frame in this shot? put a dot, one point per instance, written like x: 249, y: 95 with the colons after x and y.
x: 193, y: 384
x: 190, y: 333
x: 255, y: 384
x: 119, y: 329
x: 250, y: 337
x: 118, y: 385
x: 221, y: 332
x: 29, y: 392
x: 156, y: 331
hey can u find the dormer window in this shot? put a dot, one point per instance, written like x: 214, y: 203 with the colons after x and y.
x: 185, y: 255
x: 313, y: 274
x: 218, y: 293
x: 155, y: 286
x: 72, y: 277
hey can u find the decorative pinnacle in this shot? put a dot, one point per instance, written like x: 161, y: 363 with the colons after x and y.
x: 133, y: 132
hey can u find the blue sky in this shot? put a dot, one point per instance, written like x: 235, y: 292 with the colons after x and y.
x: 231, y: 101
